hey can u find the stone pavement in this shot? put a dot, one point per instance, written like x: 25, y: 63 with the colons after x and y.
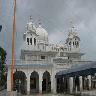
x: 48, y: 95
x: 89, y: 93
x: 5, y: 93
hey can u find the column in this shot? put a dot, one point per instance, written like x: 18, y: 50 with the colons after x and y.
x: 40, y: 82
x: 64, y: 83
x: 71, y: 84
x: 81, y: 84
x: 89, y: 79
x: 53, y: 84
x: 33, y: 40
x: 28, y: 84
x: 9, y: 80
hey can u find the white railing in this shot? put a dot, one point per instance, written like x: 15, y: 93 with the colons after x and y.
x: 24, y: 62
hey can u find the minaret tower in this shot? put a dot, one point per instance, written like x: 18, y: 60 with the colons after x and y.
x: 30, y: 36
x: 73, y: 40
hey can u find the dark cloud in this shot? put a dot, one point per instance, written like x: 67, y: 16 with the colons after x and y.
x: 55, y: 16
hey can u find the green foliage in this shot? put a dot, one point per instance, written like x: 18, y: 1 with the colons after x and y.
x: 2, y: 66
x: 3, y: 55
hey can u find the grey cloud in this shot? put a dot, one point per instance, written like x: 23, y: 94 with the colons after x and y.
x: 55, y: 16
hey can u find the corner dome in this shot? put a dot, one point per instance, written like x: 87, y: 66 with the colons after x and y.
x: 42, y: 34
x: 30, y: 26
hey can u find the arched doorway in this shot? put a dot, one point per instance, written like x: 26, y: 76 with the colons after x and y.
x: 20, y: 82
x: 34, y: 82
x: 46, y: 83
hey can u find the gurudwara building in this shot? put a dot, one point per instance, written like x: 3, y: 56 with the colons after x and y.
x: 40, y: 61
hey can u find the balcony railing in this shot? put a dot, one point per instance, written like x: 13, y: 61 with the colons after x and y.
x: 32, y: 64
x: 23, y: 62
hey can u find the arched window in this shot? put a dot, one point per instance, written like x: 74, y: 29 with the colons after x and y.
x: 69, y: 43
x: 28, y: 41
x: 31, y: 41
x: 73, y: 43
x: 34, y: 41
x: 76, y: 43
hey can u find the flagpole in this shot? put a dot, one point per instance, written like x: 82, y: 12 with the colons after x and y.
x: 13, y: 45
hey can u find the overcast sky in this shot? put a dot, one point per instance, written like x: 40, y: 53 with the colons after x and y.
x: 55, y: 16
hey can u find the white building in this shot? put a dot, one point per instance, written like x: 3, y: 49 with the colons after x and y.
x: 40, y: 61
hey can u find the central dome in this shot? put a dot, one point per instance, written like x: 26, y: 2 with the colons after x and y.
x: 42, y: 34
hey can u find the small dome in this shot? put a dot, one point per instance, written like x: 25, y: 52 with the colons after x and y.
x: 42, y: 34
x: 30, y: 26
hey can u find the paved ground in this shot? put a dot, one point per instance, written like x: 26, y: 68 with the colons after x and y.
x: 4, y: 93
x: 89, y: 93
x: 85, y: 93
x: 51, y: 95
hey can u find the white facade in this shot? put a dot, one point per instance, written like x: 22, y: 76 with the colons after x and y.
x: 40, y: 61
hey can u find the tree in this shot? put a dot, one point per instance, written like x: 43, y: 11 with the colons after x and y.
x: 2, y: 66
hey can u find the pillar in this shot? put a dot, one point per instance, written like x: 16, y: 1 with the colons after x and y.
x: 81, y: 84
x: 71, y: 84
x: 53, y: 84
x: 9, y: 80
x: 33, y: 40
x: 28, y: 84
x: 89, y: 79
x: 40, y: 82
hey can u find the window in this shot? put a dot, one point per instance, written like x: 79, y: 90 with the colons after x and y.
x: 42, y: 57
x: 76, y: 43
x: 34, y: 41
x: 69, y: 43
x: 28, y: 41
x: 73, y: 43
x: 31, y: 41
